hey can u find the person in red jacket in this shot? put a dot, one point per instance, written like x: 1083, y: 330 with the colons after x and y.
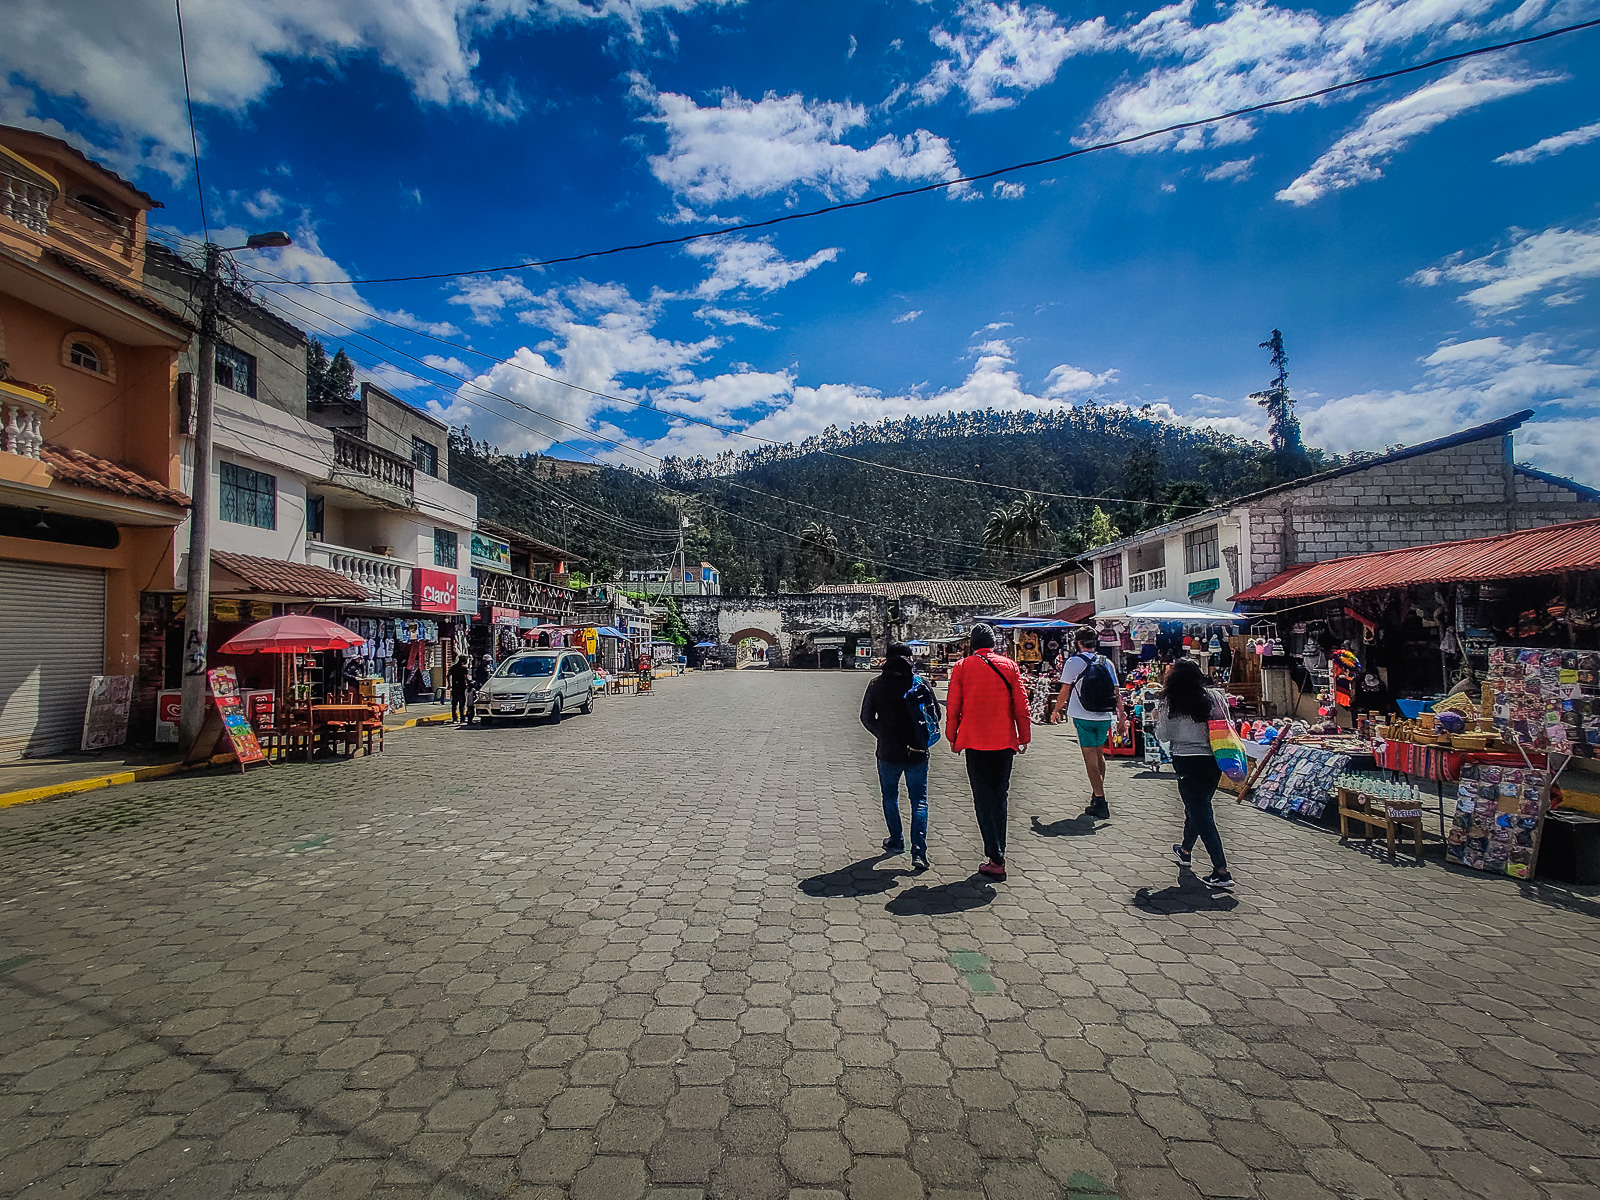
x: 987, y: 714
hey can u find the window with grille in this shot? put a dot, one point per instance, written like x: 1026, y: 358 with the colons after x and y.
x: 425, y: 457
x: 236, y: 370
x: 248, y: 497
x: 1200, y: 550
x: 444, y: 548
x: 1111, y: 571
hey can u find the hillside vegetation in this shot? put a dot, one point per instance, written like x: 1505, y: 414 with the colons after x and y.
x: 886, y: 501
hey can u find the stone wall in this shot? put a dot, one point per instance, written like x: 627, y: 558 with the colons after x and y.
x: 1458, y: 492
x: 789, y: 620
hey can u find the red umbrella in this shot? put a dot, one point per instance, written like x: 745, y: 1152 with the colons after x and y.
x: 292, y: 635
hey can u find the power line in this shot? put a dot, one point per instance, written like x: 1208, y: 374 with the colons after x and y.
x: 641, y: 404
x: 194, y: 139
x: 1200, y: 122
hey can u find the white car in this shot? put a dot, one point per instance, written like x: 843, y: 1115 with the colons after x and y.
x: 537, y: 683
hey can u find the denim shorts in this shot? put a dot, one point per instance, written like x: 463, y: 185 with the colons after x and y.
x: 1092, y: 734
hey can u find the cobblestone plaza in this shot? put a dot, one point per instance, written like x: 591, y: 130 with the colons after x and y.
x: 654, y: 952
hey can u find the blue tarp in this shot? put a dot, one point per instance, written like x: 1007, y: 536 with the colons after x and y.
x: 608, y: 631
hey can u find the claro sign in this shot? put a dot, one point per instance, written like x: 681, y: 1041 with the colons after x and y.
x: 436, y: 590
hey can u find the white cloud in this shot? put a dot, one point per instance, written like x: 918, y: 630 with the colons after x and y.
x: 602, y: 340
x: 859, y: 278
x: 1257, y: 53
x: 740, y: 265
x: 992, y: 327
x: 1506, y: 279
x: 1237, y: 170
x: 1360, y: 154
x: 324, y: 308
x: 1067, y: 380
x: 1581, y: 136
x: 265, y: 203
x: 119, y: 58
x: 487, y: 296
x: 738, y: 147
x: 730, y: 316
x: 1007, y: 190
x: 851, y: 52
x: 905, y: 317
x: 723, y: 395
x: 1003, y: 48
x: 449, y: 365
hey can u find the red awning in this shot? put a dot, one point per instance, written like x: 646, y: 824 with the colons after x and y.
x: 1551, y: 550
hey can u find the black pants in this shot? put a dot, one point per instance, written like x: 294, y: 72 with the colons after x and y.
x: 458, y: 706
x: 989, y: 773
x: 1197, y: 783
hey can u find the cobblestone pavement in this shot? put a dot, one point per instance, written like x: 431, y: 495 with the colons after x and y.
x: 581, y: 962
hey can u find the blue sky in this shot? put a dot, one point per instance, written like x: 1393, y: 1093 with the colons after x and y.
x: 1429, y: 245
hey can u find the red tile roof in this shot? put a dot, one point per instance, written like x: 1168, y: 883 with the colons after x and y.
x: 1550, y: 550
x: 277, y: 578
x: 85, y: 470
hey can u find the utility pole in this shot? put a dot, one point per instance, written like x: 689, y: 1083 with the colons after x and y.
x: 197, y: 604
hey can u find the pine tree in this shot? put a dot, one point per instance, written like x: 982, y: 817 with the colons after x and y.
x: 340, y: 385
x: 316, y: 372
x: 1288, y: 450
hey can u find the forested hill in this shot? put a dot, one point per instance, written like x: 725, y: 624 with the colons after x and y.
x: 882, y: 501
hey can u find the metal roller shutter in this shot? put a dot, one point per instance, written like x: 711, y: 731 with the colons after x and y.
x: 52, y: 639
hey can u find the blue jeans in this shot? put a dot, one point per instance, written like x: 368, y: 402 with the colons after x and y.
x: 917, y: 789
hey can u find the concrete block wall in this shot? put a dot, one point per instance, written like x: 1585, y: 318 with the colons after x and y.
x: 1454, y: 493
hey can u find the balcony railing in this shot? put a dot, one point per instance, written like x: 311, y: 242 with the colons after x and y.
x: 387, y: 579
x: 25, y: 201
x: 23, y: 412
x: 1049, y: 605
x: 513, y: 591
x: 359, y: 457
x: 1148, y: 581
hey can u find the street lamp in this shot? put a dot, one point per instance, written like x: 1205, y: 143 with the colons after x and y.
x: 197, y: 605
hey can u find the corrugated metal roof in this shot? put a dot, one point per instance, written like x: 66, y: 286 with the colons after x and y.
x: 1550, y: 550
x: 947, y: 593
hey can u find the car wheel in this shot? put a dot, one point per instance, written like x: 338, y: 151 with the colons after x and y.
x: 588, y: 703
x: 555, y: 712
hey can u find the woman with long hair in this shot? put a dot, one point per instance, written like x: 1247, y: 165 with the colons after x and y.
x: 1183, y: 719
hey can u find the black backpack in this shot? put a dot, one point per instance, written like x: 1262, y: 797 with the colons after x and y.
x: 1097, y: 691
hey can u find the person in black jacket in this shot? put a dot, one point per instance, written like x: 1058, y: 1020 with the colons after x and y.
x: 460, y: 676
x: 887, y: 716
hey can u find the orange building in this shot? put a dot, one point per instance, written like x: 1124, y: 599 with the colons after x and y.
x: 89, y: 446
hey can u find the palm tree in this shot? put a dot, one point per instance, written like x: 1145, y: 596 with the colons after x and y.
x: 819, y: 547
x: 1030, y: 525
x: 999, y: 532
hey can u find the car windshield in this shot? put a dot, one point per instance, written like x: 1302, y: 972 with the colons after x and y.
x: 532, y: 667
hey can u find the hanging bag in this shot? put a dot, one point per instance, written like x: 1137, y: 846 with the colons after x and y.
x: 1226, y: 747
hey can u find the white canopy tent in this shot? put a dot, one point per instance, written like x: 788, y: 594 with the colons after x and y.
x: 1168, y: 610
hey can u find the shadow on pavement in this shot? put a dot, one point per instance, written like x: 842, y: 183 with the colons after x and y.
x: 1180, y: 899
x: 942, y: 900
x: 858, y: 879
x: 1081, y: 825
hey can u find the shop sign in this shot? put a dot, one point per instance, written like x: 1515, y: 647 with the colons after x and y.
x: 525, y: 622
x: 466, y: 594
x: 827, y: 643
x: 435, y: 590
x: 505, y: 616
x: 225, y: 610
x: 1199, y: 587
x: 169, y: 713
x: 491, y: 553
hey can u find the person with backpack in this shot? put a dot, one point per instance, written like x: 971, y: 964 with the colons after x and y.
x: 987, y: 718
x: 1184, y: 714
x: 902, y: 712
x: 1094, y: 702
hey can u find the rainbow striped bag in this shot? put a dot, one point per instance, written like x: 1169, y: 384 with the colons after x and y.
x: 1226, y: 747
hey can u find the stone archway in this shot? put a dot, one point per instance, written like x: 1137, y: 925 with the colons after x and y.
x: 755, y: 656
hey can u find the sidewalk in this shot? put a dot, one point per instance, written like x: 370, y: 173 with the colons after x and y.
x: 31, y: 779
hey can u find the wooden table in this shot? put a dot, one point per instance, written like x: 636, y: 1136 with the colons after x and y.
x: 325, y: 716
x: 1351, y: 808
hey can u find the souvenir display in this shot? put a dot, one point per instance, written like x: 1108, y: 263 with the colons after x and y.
x: 1549, y: 699
x: 1498, y: 817
x: 1299, y: 780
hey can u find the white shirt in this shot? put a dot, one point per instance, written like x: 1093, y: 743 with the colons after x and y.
x: 1071, y: 672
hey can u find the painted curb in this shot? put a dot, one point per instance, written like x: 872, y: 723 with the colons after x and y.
x: 74, y: 787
